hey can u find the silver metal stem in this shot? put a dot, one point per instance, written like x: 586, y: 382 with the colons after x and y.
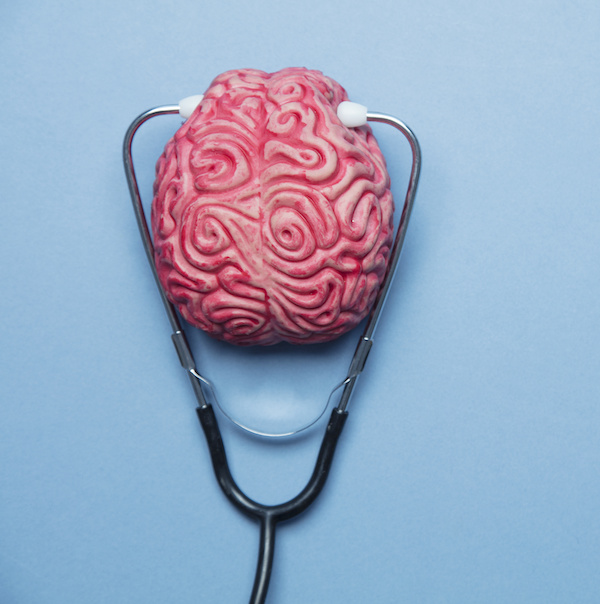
x: 178, y: 336
x: 365, y: 343
x: 137, y: 201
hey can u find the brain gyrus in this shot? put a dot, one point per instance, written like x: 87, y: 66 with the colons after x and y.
x: 272, y: 221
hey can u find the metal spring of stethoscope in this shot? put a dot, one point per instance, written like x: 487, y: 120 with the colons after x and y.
x: 269, y: 516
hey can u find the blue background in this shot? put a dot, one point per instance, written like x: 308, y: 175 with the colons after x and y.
x: 468, y: 470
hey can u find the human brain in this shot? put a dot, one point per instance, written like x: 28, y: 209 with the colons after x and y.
x: 272, y: 221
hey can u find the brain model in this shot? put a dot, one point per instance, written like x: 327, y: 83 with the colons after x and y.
x: 272, y: 221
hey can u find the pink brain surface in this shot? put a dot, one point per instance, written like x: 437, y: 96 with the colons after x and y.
x: 272, y: 221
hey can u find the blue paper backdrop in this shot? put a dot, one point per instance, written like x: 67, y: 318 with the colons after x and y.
x: 468, y: 470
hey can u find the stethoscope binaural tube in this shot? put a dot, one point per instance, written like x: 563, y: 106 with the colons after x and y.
x: 352, y: 115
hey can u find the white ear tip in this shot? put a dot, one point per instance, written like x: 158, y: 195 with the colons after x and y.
x: 352, y: 114
x: 187, y: 105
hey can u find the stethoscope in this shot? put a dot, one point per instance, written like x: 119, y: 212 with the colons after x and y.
x: 351, y: 115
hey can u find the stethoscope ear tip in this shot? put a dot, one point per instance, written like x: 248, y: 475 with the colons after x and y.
x: 352, y: 115
x: 188, y: 105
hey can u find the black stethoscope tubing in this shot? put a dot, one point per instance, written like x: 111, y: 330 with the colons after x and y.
x: 269, y: 515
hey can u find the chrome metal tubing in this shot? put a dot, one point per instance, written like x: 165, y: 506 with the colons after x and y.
x: 365, y: 342
x: 178, y: 336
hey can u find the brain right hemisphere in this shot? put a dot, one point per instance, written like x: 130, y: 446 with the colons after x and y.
x: 272, y: 221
